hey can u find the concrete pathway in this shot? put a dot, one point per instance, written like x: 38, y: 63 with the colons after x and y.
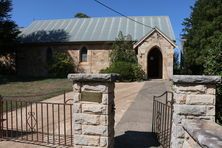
x: 134, y: 128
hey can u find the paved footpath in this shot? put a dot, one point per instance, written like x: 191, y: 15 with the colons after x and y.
x: 134, y: 128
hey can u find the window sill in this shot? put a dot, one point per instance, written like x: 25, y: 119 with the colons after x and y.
x: 83, y: 63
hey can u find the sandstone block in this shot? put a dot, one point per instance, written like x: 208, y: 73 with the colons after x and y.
x: 76, y: 97
x: 95, y: 108
x: 104, y: 141
x: 78, y: 146
x: 177, y: 131
x: 200, y: 99
x: 94, y: 87
x: 200, y: 117
x: 176, y: 142
x: 76, y: 87
x: 108, y: 98
x: 86, y: 140
x: 95, y: 130
x: 77, y: 128
x: 211, y: 89
x: 82, y: 77
x: 86, y: 119
x: 210, y: 111
x: 180, y: 98
x: 177, y: 119
x: 98, y: 87
x: 76, y: 107
x: 197, y: 79
x: 190, y: 109
x: 189, y: 89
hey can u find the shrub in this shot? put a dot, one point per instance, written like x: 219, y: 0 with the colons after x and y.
x: 127, y: 71
x: 60, y: 65
x: 124, y: 60
x: 138, y: 72
x: 7, y: 64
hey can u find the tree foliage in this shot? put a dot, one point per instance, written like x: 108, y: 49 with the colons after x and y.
x: 200, y: 31
x: 81, y: 15
x: 213, y: 66
x: 176, y: 63
x: 122, y: 49
x: 60, y: 64
x: 123, y: 60
x: 203, y: 45
x: 8, y: 28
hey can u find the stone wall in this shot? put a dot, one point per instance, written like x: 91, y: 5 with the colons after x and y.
x: 32, y: 60
x: 166, y: 48
x: 194, y: 99
x: 93, y: 110
x: 202, y: 134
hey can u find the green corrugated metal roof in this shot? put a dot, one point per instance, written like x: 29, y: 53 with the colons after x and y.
x: 94, y: 29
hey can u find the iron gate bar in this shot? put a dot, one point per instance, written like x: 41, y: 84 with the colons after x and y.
x: 36, y: 128
x: 53, y: 128
x: 162, y: 118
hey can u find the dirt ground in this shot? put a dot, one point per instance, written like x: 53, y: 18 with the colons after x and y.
x: 125, y: 94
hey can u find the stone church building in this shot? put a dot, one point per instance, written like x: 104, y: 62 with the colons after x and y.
x: 89, y: 41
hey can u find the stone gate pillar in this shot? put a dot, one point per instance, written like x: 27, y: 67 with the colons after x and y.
x: 93, y: 110
x: 194, y: 99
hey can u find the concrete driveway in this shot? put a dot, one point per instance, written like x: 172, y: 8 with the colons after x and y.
x: 134, y: 130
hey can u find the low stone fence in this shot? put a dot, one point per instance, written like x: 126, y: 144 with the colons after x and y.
x: 202, y: 134
x: 194, y: 100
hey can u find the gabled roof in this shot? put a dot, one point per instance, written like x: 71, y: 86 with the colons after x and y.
x: 150, y: 33
x: 94, y: 29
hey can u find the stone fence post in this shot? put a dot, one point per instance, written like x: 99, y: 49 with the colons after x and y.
x: 93, y: 110
x: 194, y: 99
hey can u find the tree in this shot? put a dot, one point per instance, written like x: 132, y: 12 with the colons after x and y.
x: 124, y: 60
x: 122, y: 49
x: 8, y: 28
x: 200, y: 31
x: 203, y: 46
x: 176, y: 63
x: 8, y: 38
x: 213, y: 66
x: 81, y: 15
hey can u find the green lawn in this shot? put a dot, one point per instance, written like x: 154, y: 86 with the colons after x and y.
x: 35, y: 87
x: 31, y: 90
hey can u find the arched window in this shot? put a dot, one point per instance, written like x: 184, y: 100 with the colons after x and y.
x: 83, y: 54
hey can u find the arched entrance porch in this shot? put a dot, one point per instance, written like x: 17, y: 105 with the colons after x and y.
x: 155, y: 64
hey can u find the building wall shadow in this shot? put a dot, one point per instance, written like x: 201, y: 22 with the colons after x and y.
x: 135, y: 139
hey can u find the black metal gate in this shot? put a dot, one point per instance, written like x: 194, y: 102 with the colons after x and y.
x: 162, y: 118
x: 36, y: 122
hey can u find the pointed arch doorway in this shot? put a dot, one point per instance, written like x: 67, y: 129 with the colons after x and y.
x: 155, y: 64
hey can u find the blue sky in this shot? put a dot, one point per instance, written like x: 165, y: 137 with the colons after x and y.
x: 25, y: 11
